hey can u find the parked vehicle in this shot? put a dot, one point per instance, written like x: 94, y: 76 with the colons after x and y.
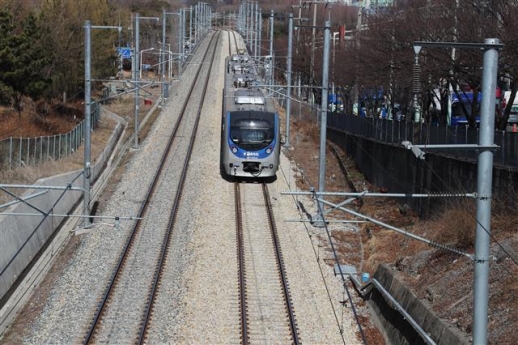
x: 465, y: 99
x: 462, y: 104
x: 513, y: 116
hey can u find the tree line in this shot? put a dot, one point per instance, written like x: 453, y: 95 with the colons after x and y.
x: 377, y: 55
x: 42, y: 46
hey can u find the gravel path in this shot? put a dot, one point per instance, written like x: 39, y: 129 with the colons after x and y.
x: 198, y: 301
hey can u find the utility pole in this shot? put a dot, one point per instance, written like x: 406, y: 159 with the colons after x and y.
x: 484, y: 190
x: 260, y: 31
x: 297, y: 40
x: 182, y: 31
x: 88, y: 121
x: 247, y: 22
x: 271, y: 48
x: 88, y: 112
x: 313, y: 38
x: 190, y: 30
x: 485, y: 147
x: 136, y: 72
x: 356, y: 91
x: 288, y: 81
x: 313, y: 33
x: 256, y: 29
x: 323, y: 120
x: 136, y: 79
x: 162, y: 57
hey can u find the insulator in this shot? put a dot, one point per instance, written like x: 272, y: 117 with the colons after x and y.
x: 446, y: 248
x: 416, y: 79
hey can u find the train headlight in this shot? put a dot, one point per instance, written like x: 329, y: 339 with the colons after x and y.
x: 233, y: 149
x: 269, y: 150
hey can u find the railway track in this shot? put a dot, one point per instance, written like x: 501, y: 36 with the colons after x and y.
x: 266, y: 311
x: 265, y: 306
x: 125, y: 310
x: 233, y: 44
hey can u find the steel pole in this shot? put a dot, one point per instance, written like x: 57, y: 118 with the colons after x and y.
x: 196, y: 24
x: 247, y: 21
x: 323, y: 120
x: 204, y: 17
x: 184, y: 28
x: 136, y: 80
x: 313, y: 33
x: 190, y: 30
x: 288, y: 89
x: 259, y: 32
x: 271, y: 49
x: 180, y: 56
x: 162, y: 56
x: 484, y: 194
x: 87, y: 129
x: 252, y: 29
x: 250, y: 40
x: 88, y: 112
x: 256, y: 30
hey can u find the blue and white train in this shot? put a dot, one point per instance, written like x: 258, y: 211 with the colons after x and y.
x: 250, y: 129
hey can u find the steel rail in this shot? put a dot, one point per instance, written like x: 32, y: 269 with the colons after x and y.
x: 126, y: 249
x: 241, y: 262
x: 243, y: 296
x: 176, y: 205
x: 282, y: 268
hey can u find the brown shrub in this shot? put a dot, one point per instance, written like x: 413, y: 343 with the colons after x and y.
x: 458, y: 225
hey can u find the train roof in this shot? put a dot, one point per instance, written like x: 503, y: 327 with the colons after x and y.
x: 242, y: 90
x: 249, y: 96
x: 245, y: 77
x: 239, y: 57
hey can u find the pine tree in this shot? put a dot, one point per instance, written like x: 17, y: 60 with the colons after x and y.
x: 6, y: 31
x: 22, y: 61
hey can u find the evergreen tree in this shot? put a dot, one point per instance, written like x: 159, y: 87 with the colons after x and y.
x: 6, y: 31
x: 23, y: 61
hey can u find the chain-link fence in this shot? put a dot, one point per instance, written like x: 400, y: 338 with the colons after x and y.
x: 15, y: 152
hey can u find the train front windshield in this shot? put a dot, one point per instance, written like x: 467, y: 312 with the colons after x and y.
x: 252, y: 133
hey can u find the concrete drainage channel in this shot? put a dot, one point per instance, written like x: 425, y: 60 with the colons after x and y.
x: 402, y: 317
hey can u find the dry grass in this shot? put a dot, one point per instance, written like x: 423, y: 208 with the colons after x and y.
x: 458, y: 224
x: 35, y: 122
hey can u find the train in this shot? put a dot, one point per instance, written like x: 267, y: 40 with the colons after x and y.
x: 250, y: 126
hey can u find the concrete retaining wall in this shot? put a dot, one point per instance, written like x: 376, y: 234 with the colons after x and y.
x: 395, y: 327
x: 23, y: 236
